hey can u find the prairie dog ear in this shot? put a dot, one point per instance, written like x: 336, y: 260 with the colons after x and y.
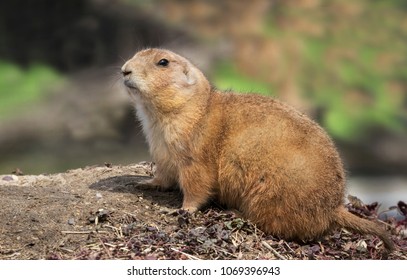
x: 190, y: 76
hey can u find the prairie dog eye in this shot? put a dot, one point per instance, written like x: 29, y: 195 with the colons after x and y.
x: 163, y: 62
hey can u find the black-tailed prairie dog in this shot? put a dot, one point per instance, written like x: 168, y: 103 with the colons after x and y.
x: 251, y: 153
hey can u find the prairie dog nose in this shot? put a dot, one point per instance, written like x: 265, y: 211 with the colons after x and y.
x: 125, y: 71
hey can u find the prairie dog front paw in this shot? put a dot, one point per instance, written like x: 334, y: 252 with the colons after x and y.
x: 155, y: 183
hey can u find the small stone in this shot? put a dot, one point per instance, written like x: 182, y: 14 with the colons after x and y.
x: 403, y: 233
x: 147, y: 250
x: 393, y: 213
x: 152, y: 229
x: 10, y: 178
x: 71, y: 221
x: 99, y: 195
x: 101, y: 215
x: 17, y: 171
x: 361, y: 246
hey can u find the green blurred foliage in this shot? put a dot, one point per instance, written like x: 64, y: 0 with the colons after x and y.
x: 227, y: 77
x: 355, y: 93
x: 21, y: 88
x: 357, y: 73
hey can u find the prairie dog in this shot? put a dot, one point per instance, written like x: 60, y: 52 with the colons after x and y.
x: 250, y: 152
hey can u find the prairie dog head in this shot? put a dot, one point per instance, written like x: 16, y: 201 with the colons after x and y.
x: 163, y: 80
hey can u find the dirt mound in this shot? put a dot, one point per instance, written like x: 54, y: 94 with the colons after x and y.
x: 99, y: 213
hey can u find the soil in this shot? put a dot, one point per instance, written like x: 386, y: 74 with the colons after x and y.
x: 100, y: 212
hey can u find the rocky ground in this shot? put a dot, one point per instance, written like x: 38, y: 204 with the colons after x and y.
x: 99, y: 213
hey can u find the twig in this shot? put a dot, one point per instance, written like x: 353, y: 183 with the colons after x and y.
x: 110, y: 245
x: 9, y: 251
x: 82, y: 232
x: 185, y: 254
x: 224, y: 251
x: 111, y: 227
x: 66, y: 250
x: 116, y: 230
x: 288, y: 246
x: 104, y: 247
x: 387, y: 224
x: 130, y: 214
x: 277, y: 254
x: 76, y: 232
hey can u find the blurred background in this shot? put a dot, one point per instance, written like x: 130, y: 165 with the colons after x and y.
x: 344, y: 63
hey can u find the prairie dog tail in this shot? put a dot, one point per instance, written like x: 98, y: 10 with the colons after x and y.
x: 349, y: 221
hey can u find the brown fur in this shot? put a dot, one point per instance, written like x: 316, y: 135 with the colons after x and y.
x: 252, y: 153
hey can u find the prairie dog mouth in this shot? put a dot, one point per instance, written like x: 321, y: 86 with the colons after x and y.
x: 130, y: 84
